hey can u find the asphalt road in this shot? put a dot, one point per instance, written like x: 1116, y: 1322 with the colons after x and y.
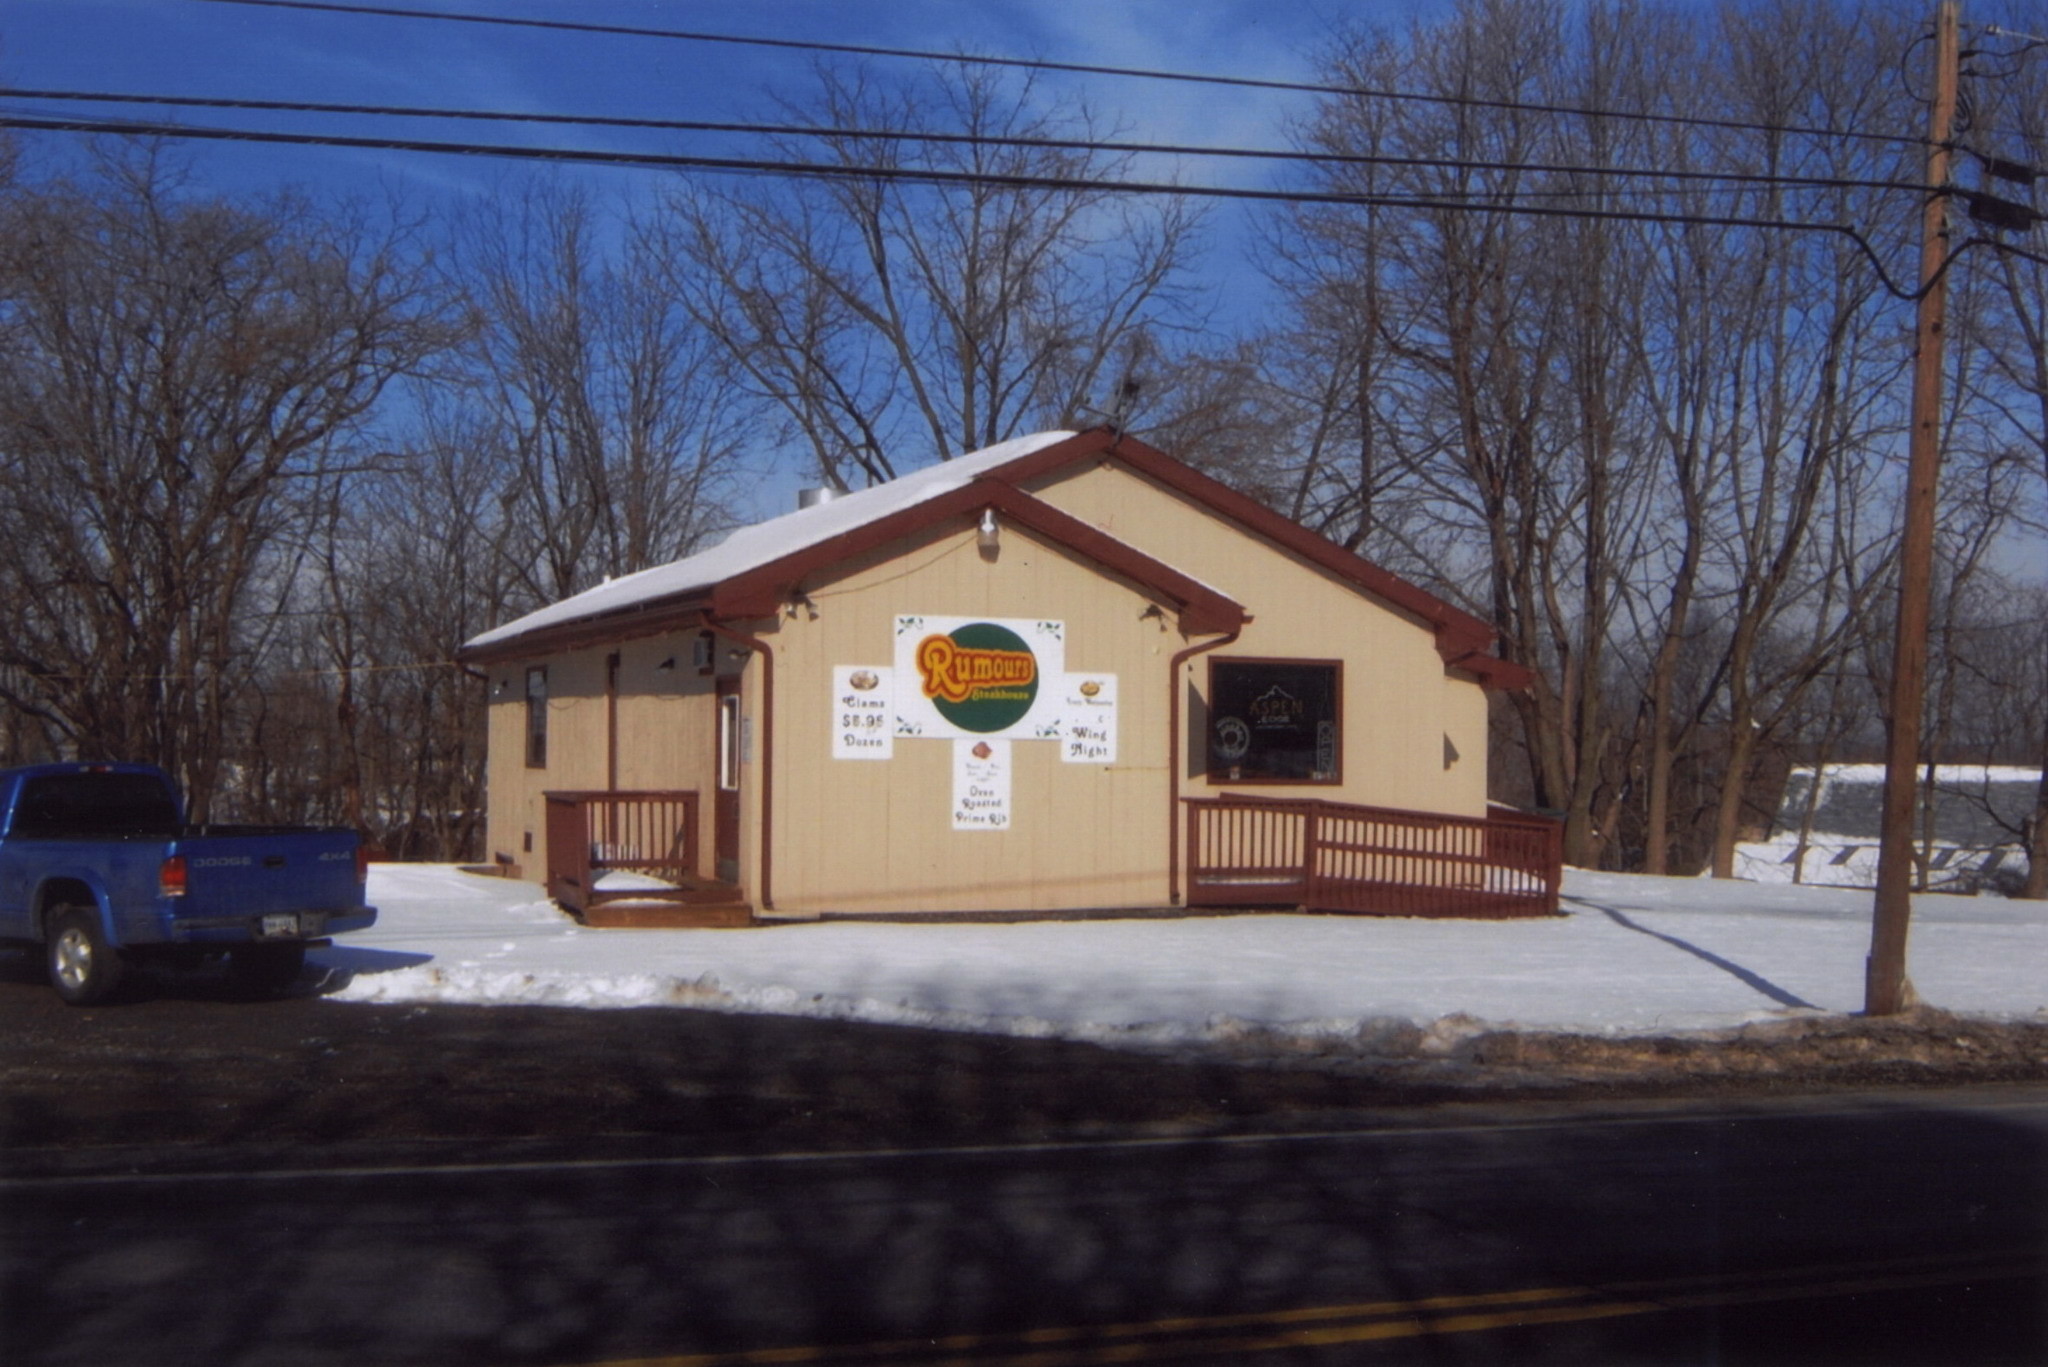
x: 187, y: 1177
x: 1865, y: 1228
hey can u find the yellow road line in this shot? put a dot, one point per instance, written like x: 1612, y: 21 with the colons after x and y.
x: 1373, y: 1321
x: 894, y: 1349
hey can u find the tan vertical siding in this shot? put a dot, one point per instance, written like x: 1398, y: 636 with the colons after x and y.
x: 877, y: 836
x: 665, y: 737
x: 864, y: 836
x: 506, y: 820
x: 667, y: 726
x: 1399, y: 705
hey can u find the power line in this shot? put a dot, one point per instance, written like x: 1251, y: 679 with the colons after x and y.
x: 940, y: 176
x: 135, y: 676
x: 1074, y: 68
x: 975, y: 139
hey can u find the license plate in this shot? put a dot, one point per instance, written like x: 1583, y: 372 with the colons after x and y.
x: 287, y: 924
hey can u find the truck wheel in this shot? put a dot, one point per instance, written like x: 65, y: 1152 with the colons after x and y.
x: 84, y: 968
x: 265, y: 970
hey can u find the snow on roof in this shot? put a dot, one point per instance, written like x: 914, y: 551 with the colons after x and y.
x: 1979, y: 805
x: 1944, y: 774
x: 764, y: 542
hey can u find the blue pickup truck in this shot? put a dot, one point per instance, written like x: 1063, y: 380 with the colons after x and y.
x: 98, y: 867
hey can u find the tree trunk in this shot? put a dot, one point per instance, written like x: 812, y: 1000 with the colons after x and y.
x: 1734, y: 783
x: 2037, y: 832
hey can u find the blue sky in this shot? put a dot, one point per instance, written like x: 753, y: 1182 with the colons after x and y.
x: 197, y: 48
x: 192, y: 47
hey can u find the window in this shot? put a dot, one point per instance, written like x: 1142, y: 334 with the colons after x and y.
x: 89, y: 806
x: 1276, y: 721
x: 537, y: 717
x: 729, y: 749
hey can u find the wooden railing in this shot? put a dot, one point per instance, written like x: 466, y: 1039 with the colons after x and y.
x: 1333, y: 856
x: 590, y: 834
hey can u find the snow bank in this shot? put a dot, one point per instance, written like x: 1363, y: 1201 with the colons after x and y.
x: 1633, y: 955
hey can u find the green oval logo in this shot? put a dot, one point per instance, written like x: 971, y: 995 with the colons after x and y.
x: 981, y: 677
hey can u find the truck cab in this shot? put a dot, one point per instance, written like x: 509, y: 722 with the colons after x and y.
x: 98, y: 867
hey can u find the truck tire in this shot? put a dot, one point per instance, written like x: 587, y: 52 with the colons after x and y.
x: 265, y: 970
x: 84, y: 968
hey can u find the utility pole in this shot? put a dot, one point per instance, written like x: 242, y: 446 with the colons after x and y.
x: 1884, y: 989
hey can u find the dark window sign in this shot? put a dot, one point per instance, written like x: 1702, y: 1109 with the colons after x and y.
x: 1275, y: 721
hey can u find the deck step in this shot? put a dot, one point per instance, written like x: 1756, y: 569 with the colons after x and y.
x: 664, y: 914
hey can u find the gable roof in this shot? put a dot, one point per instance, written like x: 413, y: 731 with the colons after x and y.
x: 755, y: 569
x: 1462, y: 640
x: 749, y: 548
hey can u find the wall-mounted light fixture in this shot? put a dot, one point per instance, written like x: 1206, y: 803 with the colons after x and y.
x: 667, y: 666
x: 987, y: 536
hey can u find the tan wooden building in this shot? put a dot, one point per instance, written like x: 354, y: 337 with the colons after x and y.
x: 1066, y: 674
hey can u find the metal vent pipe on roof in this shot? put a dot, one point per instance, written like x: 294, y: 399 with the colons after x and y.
x: 811, y: 498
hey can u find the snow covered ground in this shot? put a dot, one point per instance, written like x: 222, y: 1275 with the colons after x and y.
x: 1634, y: 955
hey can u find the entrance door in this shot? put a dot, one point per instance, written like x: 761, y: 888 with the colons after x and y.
x: 725, y: 806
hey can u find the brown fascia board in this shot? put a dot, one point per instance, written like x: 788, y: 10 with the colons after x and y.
x: 760, y: 592
x: 1462, y: 640
x: 642, y: 619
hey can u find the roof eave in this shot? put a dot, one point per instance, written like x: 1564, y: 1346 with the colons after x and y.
x: 1462, y: 640
x: 760, y: 592
x: 676, y: 612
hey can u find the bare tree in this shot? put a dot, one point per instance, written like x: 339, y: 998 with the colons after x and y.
x: 892, y: 319
x: 179, y: 376
x: 2003, y: 336
x: 1479, y: 358
x: 1668, y: 441
x: 619, y: 445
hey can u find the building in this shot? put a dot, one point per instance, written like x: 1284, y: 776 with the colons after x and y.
x: 1066, y: 674
x: 1828, y: 823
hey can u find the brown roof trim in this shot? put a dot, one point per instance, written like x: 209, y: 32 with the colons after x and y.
x: 760, y: 592
x: 1491, y: 670
x: 642, y: 619
x: 1254, y: 515
x: 1461, y: 639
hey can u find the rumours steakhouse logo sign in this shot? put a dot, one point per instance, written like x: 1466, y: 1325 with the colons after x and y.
x: 981, y: 677
x: 978, y: 678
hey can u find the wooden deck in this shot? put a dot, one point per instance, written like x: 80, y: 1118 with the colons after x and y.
x: 1333, y: 856
x: 648, y: 837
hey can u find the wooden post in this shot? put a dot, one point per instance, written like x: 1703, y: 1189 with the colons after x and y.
x: 1311, y: 833
x: 1885, y: 972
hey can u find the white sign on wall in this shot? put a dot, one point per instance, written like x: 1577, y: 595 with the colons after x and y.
x: 979, y: 676
x: 982, y: 683
x: 1088, y: 719
x: 863, y: 710
x: 981, y: 784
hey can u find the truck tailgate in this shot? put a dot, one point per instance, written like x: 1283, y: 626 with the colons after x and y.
x: 306, y: 876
